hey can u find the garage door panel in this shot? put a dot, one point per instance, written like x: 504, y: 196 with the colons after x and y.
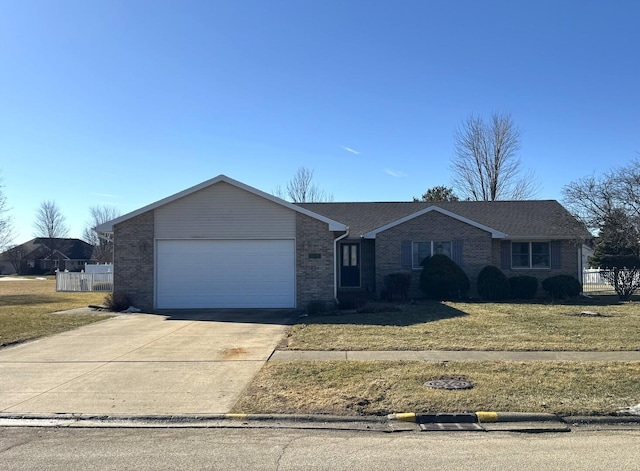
x: 229, y: 273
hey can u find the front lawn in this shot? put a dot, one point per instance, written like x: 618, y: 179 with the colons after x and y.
x: 383, y: 387
x: 475, y: 326
x: 27, y: 307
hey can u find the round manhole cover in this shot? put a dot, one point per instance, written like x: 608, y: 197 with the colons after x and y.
x: 449, y: 384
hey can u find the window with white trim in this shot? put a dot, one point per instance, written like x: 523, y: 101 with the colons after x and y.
x: 422, y: 250
x: 530, y: 255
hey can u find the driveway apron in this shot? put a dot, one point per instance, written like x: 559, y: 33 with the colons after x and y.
x: 184, y: 362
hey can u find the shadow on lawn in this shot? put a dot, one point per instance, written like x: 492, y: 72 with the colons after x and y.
x: 26, y: 299
x: 409, y: 315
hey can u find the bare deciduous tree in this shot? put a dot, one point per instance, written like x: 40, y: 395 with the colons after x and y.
x: 609, y: 204
x: 6, y: 225
x: 596, y: 198
x: 15, y: 255
x: 50, y: 222
x: 103, y: 248
x: 486, y: 166
x: 302, y: 189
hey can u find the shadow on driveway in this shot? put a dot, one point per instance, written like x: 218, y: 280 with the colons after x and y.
x: 244, y: 316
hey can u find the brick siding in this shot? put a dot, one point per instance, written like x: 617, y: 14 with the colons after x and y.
x: 434, y: 226
x: 134, y: 260
x: 314, y: 276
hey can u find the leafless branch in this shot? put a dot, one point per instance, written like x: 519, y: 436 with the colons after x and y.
x: 486, y: 166
x: 50, y: 222
x: 103, y: 249
x: 302, y: 189
x: 6, y: 222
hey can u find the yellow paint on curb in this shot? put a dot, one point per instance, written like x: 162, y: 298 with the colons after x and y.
x: 487, y: 416
x: 406, y: 416
x: 236, y: 416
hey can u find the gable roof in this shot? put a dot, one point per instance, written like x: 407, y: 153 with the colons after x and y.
x: 334, y: 225
x: 45, y: 247
x: 542, y: 219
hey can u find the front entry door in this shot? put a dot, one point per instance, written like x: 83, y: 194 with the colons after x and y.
x: 350, y: 266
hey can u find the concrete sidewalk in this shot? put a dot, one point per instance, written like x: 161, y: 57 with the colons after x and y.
x: 443, y: 355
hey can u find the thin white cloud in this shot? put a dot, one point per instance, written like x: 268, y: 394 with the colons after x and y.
x: 394, y: 173
x: 350, y: 150
x: 105, y: 195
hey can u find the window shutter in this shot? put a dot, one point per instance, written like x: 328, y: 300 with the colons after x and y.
x: 556, y: 254
x: 407, y: 255
x: 456, y: 251
x: 505, y: 254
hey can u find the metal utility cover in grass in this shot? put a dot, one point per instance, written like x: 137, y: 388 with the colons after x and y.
x: 449, y: 384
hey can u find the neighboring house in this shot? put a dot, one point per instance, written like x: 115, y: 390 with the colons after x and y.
x: 44, y: 255
x: 225, y: 244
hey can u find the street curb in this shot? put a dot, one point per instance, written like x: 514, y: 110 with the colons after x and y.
x: 186, y: 419
x: 479, y: 417
x: 602, y: 420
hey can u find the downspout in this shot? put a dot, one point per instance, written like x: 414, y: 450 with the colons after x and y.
x: 335, y: 264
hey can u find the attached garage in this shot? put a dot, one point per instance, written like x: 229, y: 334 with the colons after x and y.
x: 223, y: 244
x: 225, y: 273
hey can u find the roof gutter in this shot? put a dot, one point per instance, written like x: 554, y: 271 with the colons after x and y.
x: 335, y: 264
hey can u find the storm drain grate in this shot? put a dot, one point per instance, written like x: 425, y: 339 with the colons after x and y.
x: 449, y: 384
x: 449, y: 427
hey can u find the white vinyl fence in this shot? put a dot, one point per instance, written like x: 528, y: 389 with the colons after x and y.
x: 73, y: 281
x: 594, y: 282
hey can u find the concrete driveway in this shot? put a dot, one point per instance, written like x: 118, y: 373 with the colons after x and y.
x: 184, y: 362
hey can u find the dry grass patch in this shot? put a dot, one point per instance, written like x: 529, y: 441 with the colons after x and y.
x: 26, y: 309
x: 475, y: 326
x: 383, y: 387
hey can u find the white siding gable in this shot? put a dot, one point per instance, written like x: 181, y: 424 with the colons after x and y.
x: 223, y: 211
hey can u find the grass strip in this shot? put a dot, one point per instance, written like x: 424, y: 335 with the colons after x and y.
x: 475, y: 326
x: 383, y: 387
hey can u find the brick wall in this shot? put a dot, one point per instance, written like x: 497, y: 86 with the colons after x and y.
x: 569, y: 250
x: 435, y: 226
x: 314, y: 276
x: 134, y: 259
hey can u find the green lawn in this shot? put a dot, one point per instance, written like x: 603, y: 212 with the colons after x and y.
x: 475, y: 326
x: 26, y: 310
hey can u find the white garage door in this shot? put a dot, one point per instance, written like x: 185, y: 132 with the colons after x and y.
x: 225, y: 274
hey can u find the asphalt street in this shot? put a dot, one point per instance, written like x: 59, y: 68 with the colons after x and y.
x: 28, y: 448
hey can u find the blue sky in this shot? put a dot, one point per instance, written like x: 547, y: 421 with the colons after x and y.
x: 125, y: 102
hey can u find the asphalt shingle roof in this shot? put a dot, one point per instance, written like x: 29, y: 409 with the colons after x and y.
x: 41, y: 247
x: 528, y: 218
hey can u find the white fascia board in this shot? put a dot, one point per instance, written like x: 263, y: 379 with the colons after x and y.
x: 494, y: 233
x: 107, y: 227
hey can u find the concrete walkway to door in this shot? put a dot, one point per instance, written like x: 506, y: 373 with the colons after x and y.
x: 183, y: 362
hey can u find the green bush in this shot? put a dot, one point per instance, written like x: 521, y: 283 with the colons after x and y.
x: 396, y: 287
x: 117, y: 301
x: 442, y: 279
x: 562, y: 286
x: 493, y: 284
x: 523, y: 287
